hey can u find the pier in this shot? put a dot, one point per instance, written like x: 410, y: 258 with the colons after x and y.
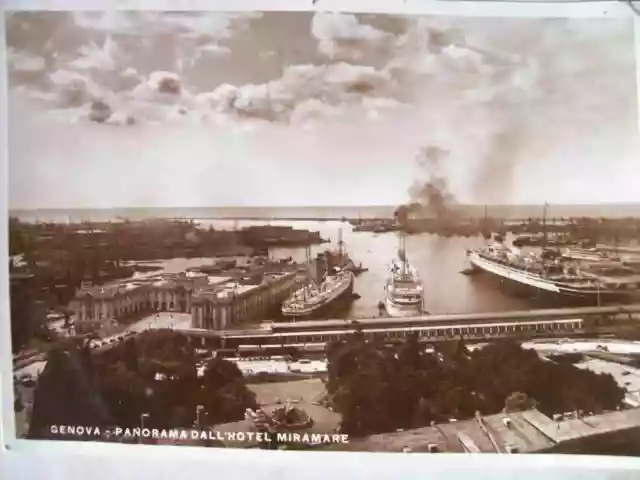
x: 311, y: 335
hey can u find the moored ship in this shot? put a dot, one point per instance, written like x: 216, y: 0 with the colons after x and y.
x: 327, y: 292
x: 316, y: 300
x: 404, y: 290
x: 552, y: 273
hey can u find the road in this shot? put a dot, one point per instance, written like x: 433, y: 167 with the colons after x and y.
x: 254, y: 367
x: 575, y: 346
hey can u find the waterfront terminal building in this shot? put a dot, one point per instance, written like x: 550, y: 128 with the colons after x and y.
x: 214, y: 302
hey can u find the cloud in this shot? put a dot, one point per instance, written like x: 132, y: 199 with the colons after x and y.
x: 521, y: 100
x: 24, y: 62
x: 103, y: 58
x: 208, y: 52
x: 527, y: 94
x: 72, y: 89
x: 343, y: 37
x: 303, y: 91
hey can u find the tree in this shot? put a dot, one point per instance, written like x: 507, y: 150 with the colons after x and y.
x: 379, y: 388
x: 518, y: 401
x: 156, y: 374
x: 66, y: 395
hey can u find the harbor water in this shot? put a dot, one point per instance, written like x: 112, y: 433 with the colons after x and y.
x: 438, y: 260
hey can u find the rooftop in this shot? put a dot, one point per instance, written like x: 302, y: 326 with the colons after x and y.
x: 219, y: 287
x: 222, y: 288
x: 527, y: 431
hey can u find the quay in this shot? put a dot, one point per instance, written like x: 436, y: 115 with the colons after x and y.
x: 313, y: 335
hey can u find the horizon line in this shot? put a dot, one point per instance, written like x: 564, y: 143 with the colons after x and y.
x: 480, y: 204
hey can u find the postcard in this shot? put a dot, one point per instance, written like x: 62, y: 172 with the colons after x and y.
x: 325, y: 231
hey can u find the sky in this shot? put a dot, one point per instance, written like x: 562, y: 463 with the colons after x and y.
x: 146, y: 109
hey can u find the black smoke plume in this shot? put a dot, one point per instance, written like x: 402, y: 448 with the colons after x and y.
x: 430, y: 193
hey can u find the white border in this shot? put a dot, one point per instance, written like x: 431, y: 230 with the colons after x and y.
x: 483, y: 8
x: 46, y: 459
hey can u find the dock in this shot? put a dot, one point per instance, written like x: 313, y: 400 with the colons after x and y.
x: 476, y: 327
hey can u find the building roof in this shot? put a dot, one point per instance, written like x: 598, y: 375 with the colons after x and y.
x: 216, y: 288
x: 227, y: 288
x: 527, y: 431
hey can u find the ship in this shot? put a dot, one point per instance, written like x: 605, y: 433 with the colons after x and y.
x: 323, y: 295
x: 551, y: 273
x: 404, y: 292
x: 340, y: 259
x: 376, y: 226
x: 265, y: 236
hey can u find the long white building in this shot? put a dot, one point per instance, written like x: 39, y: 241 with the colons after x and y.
x: 214, y: 302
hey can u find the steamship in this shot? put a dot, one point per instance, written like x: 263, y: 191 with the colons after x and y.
x: 404, y: 289
x: 595, y: 281
x: 323, y: 295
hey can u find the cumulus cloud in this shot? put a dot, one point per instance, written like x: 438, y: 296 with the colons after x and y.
x: 303, y: 91
x: 212, y: 50
x: 343, y: 37
x: 520, y: 101
x: 103, y: 58
x: 453, y: 71
x: 72, y: 89
x: 24, y: 62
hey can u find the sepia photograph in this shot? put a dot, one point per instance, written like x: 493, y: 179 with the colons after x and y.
x: 324, y: 231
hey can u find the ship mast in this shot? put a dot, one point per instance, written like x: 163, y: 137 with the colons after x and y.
x: 305, y: 289
x: 544, y: 226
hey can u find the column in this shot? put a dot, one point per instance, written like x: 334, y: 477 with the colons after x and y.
x: 195, y: 317
x: 224, y: 316
x: 215, y: 314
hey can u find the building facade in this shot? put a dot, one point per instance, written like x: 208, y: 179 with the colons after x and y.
x: 99, y: 305
x: 213, y: 302
x: 219, y: 307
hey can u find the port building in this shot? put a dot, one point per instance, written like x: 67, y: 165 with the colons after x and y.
x: 214, y: 302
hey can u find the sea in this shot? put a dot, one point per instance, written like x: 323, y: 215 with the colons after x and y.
x: 61, y: 215
x: 438, y: 260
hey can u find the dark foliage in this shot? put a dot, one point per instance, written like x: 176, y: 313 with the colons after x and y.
x: 66, y: 395
x: 154, y: 375
x: 380, y: 389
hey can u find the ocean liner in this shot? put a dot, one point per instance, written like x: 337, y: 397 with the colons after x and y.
x: 553, y: 273
x: 323, y: 295
x: 404, y: 289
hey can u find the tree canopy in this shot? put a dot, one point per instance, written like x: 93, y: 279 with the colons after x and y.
x: 154, y: 374
x: 380, y: 388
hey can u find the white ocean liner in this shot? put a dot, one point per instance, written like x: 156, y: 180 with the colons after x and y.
x: 557, y: 276
x: 404, y: 291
